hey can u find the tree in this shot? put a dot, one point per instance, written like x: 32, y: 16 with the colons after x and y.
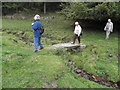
x: 29, y: 7
x: 93, y: 10
x: 44, y: 7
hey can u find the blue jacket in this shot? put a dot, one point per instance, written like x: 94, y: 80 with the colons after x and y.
x: 36, y: 27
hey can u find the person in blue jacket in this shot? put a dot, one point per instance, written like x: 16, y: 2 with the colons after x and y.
x: 37, y: 37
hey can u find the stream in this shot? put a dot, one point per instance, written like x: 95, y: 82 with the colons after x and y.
x: 92, y: 77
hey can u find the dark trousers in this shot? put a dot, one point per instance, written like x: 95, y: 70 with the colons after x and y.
x: 74, y: 38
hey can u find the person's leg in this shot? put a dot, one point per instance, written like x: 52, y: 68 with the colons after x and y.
x: 35, y: 44
x: 107, y: 35
x: 79, y: 39
x: 74, y: 38
x: 39, y: 41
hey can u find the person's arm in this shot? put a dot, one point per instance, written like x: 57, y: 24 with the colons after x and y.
x: 34, y: 26
x: 80, y: 29
x: 105, y: 27
x: 75, y: 30
x: 112, y: 27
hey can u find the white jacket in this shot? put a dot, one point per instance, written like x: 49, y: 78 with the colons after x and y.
x: 109, y: 27
x: 78, y: 30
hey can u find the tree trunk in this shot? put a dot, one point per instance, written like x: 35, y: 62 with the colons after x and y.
x: 44, y: 7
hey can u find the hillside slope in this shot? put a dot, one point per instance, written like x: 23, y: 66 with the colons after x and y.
x: 48, y: 68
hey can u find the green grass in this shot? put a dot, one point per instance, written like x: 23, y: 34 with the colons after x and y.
x: 95, y: 58
x: 22, y: 68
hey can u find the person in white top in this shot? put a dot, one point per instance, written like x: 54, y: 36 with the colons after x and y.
x: 77, y: 32
x: 108, y: 28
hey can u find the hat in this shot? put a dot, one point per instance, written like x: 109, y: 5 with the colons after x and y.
x: 37, y: 17
x: 109, y: 20
x: 76, y: 23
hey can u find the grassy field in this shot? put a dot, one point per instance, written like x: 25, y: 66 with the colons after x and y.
x: 22, y: 68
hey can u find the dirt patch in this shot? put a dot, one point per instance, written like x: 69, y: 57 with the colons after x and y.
x: 27, y: 40
x: 54, y: 38
x: 50, y: 85
x: 30, y: 87
x: 19, y: 35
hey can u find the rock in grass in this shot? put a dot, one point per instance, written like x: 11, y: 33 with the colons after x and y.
x: 85, y: 76
x: 78, y: 71
x: 110, y: 55
x: 66, y: 45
